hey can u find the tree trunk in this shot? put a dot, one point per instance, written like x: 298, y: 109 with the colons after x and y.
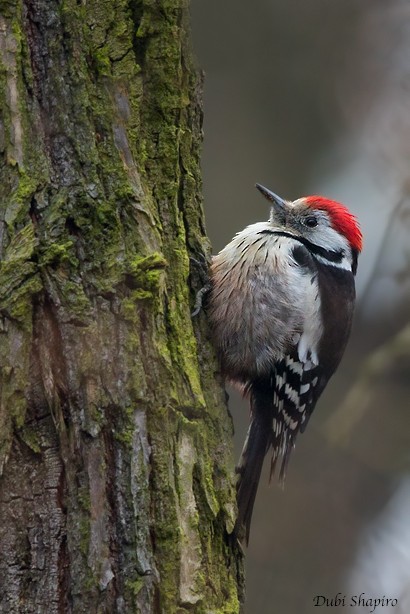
x: 116, y: 488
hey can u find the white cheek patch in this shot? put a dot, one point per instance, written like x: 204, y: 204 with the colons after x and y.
x: 329, y: 239
x: 345, y: 263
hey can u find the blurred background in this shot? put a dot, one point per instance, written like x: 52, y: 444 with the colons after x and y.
x: 313, y: 98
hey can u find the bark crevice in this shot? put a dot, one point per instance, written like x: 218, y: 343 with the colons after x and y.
x: 116, y: 490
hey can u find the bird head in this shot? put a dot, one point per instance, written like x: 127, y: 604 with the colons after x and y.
x: 320, y: 221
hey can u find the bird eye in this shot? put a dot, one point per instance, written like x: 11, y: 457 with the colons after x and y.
x: 310, y: 221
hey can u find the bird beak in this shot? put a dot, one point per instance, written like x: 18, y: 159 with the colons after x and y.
x: 279, y: 205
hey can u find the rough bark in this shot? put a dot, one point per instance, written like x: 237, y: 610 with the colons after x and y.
x: 116, y: 487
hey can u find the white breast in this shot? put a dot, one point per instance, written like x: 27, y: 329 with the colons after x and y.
x: 262, y: 303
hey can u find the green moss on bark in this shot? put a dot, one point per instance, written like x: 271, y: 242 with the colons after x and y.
x: 101, y: 216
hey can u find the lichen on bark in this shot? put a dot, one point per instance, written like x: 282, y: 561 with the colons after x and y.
x: 116, y: 487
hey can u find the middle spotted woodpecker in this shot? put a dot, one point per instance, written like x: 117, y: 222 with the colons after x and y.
x: 280, y: 306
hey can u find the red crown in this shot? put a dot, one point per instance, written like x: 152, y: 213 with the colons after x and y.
x: 342, y: 220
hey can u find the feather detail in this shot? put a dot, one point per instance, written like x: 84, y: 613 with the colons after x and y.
x: 280, y: 309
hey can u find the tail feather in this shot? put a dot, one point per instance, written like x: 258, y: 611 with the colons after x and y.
x: 258, y: 441
x: 280, y: 407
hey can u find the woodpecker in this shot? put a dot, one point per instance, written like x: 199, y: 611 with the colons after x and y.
x: 280, y: 306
